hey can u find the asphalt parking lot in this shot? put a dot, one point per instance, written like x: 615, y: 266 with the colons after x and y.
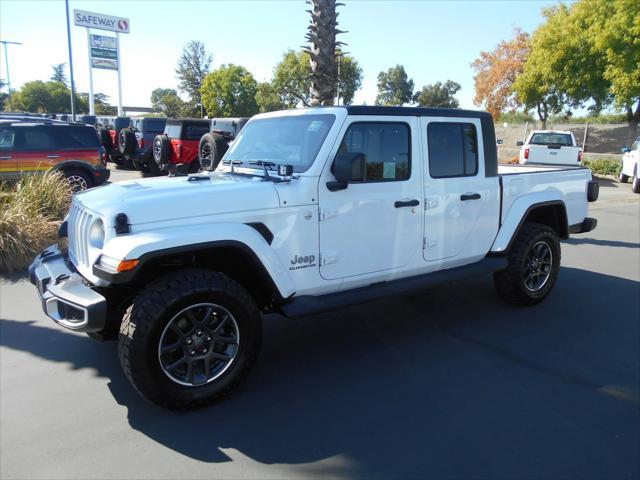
x: 448, y: 383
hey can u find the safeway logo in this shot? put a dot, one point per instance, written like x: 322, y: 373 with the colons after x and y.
x: 100, y: 21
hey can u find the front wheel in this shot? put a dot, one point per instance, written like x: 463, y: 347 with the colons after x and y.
x: 534, y: 264
x: 189, y: 338
x: 635, y: 186
x: 623, y: 178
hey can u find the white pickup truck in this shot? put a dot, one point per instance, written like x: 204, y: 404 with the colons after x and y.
x: 631, y: 165
x: 310, y: 210
x: 550, y: 147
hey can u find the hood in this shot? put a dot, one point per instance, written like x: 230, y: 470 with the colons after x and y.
x: 167, y: 198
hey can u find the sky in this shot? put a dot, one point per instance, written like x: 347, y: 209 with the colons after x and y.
x: 434, y: 40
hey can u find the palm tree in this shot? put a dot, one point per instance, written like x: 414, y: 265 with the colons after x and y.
x: 322, y: 36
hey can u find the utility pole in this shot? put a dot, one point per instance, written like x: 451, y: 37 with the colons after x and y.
x: 73, y: 88
x: 6, y: 61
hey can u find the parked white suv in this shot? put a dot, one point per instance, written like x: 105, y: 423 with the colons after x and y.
x: 310, y: 210
x: 630, y: 165
x: 550, y: 147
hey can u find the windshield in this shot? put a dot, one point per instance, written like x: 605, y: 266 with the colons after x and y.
x: 563, y: 139
x: 290, y: 140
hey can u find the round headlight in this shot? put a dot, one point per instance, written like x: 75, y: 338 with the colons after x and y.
x: 96, y: 234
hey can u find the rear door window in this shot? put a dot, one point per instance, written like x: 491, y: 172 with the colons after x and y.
x: 7, y: 137
x: 453, y: 149
x: 194, y: 132
x: 35, y: 139
x: 78, y: 138
x: 153, y: 125
x: 173, y: 131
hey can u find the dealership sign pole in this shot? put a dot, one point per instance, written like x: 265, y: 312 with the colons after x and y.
x: 104, y: 51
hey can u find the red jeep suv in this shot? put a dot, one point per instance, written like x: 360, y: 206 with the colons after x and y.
x: 178, y: 144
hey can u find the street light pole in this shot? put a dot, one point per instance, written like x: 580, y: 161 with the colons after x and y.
x: 73, y: 88
x: 6, y: 61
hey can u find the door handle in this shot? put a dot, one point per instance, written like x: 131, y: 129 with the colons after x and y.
x: 6, y: 158
x: 53, y: 156
x: 470, y: 196
x: 407, y: 203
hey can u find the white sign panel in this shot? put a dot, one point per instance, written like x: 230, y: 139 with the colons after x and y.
x: 99, y: 21
x: 102, y: 41
x: 104, y: 63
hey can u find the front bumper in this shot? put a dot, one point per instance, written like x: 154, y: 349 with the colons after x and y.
x: 587, y: 225
x: 66, y: 296
x: 100, y: 175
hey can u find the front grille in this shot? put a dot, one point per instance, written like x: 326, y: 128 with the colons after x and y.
x: 79, y: 224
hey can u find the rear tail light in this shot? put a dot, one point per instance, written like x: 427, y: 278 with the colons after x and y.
x: 526, y: 153
x: 179, y: 152
x: 103, y: 155
x: 579, y: 157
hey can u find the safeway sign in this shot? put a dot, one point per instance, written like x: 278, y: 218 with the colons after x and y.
x: 100, y: 21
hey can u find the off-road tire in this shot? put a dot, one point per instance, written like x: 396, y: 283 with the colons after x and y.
x: 78, y: 179
x: 217, y: 146
x: 151, y: 311
x: 623, y: 178
x: 509, y: 283
x: 161, y: 151
x: 127, y: 142
x: 635, y: 186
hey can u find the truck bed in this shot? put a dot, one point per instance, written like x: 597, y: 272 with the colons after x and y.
x: 518, y: 181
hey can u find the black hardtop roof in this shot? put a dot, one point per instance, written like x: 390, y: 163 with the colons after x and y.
x: 415, y: 111
x: 179, y: 121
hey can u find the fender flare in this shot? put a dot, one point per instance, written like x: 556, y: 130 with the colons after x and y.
x: 153, y: 244
x: 518, y: 213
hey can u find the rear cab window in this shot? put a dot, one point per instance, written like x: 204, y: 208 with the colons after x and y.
x: 173, y: 131
x: 152, y: 124
x: 191, y: 131
x: 562, y: 139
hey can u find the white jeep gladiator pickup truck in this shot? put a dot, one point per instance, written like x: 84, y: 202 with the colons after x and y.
x: 551, y: 147
x: 310, y: 210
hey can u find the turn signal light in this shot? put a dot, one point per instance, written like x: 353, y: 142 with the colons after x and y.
x: 126, y: 265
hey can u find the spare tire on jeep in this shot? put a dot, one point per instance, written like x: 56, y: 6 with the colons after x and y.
x: 105, y: 139
x: 127, y: 142
x: 211, y: 150
x: 162, y: 151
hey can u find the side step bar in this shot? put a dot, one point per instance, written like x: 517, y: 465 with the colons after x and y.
x: 310, y: 304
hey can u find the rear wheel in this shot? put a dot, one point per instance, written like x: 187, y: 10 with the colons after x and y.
x: 78, y: 180
x: 127, y: 142
x: 623, y: 178
x: 635, y: 186
x: 534, y: 264
x: 189, y: 338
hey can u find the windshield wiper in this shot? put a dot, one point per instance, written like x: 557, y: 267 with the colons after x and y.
x: 264, y: 166
x: 233, y: 163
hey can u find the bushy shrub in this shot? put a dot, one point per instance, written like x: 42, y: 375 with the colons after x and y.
x: 604, y: 166
x: 31, y: 211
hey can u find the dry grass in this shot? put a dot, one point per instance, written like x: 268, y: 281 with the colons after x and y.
x: 31, y: 211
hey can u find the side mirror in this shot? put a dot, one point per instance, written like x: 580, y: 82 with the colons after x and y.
x: 519, y: 144
x: 347, y: 168
x: 625, y: 149
x: 499, y: 141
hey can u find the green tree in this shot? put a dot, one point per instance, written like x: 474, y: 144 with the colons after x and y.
x: 292, y: 79
x: 193, y: 65
x: 394, y: 87
x: 349, y: 78
x: 59, y: 74
x: 439, y: 95
x: 267, y: 98
x: 167, y: 101
x: 230, y: 91
x: 48, y: 97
